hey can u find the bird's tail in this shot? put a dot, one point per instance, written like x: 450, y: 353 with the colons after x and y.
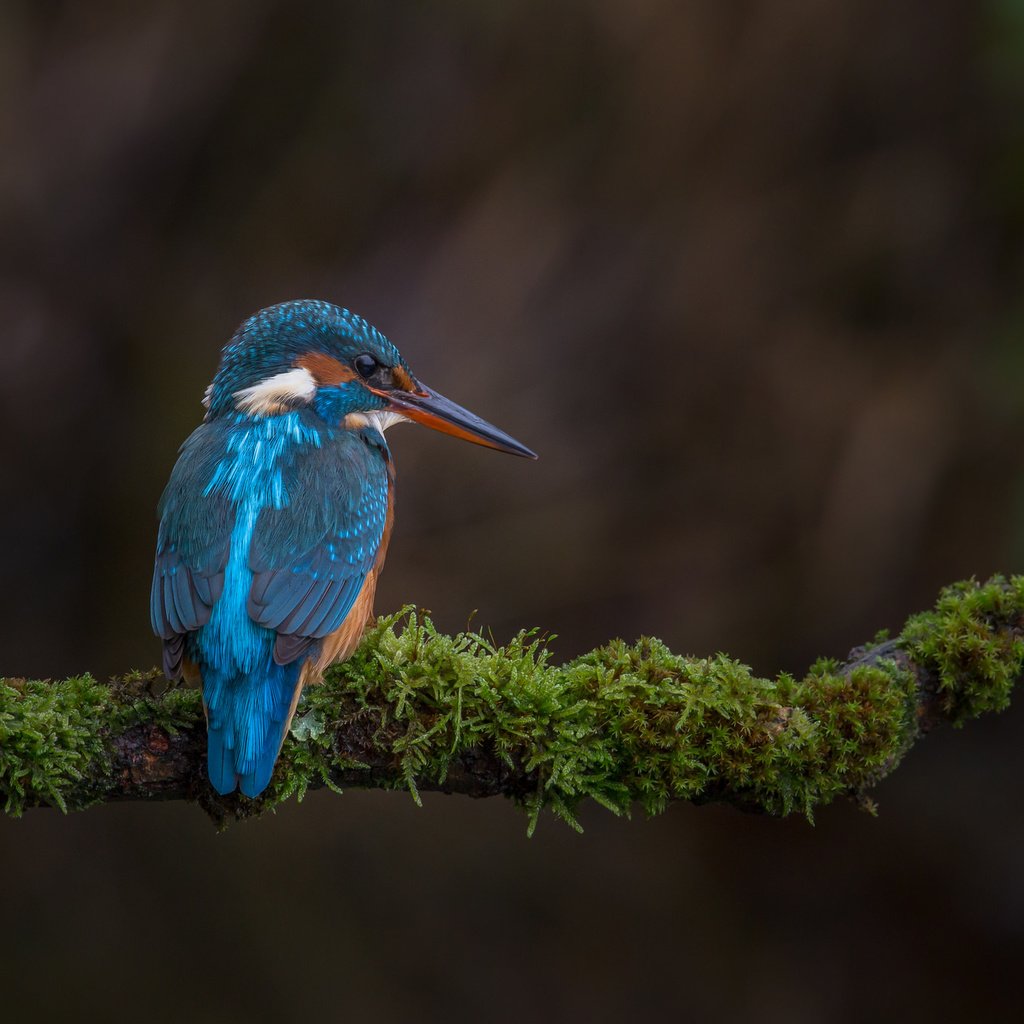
x: 247, y: 718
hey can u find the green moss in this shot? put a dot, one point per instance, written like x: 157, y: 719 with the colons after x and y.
x: 51, y: 736
x: 55, y: 736
x: 146, y: 698
x: 628, y: 725
x: 971, y: 641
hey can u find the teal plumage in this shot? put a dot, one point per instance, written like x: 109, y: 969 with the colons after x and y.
x: 275, y: 521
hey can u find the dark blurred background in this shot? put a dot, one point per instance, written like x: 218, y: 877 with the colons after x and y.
x: 746, y: 274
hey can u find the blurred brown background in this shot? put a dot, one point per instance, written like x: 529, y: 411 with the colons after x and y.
x: 746, y: 274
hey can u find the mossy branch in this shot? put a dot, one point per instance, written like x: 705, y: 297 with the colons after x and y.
x: 626, y: 725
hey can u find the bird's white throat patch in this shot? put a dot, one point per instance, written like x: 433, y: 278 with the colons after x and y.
x: 278, y: 393
x: 378, y: 420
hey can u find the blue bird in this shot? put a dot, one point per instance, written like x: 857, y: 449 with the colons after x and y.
x: 276, y: 520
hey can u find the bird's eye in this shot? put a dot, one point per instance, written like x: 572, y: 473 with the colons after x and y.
x: 365, y: 365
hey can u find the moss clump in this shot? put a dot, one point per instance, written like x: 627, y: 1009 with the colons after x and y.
x: 626, y: 725
x: 147, y: 698
x: 55, y: 737
x: 51, y: 737
x: 972, y: 643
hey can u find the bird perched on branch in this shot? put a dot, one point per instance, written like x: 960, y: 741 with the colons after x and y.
x: 276, y: 520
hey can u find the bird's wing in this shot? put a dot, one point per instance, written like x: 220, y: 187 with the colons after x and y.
x: 311, y: 558
x: 192, y: 546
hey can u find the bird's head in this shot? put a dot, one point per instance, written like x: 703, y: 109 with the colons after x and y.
x: 311, y: 354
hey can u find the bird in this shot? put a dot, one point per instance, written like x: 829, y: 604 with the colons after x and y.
x: 275, y: 522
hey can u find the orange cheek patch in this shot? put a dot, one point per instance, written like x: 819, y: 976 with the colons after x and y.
x: 326, y: 370
x: 402, y: 378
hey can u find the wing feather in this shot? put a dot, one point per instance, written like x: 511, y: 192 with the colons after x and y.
x: 310, y: 559
x: 192, y: 546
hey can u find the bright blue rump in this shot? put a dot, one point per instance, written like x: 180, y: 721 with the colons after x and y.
x: 247, y: 718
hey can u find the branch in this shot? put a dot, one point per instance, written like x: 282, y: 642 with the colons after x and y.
x: 623, y: 725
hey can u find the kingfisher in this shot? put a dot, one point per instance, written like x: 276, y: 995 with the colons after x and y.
x: 275, y: 523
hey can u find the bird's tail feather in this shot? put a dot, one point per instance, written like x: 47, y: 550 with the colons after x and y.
x: 247, y: 717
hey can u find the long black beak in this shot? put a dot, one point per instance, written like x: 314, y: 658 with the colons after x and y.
x: 439, y: 413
